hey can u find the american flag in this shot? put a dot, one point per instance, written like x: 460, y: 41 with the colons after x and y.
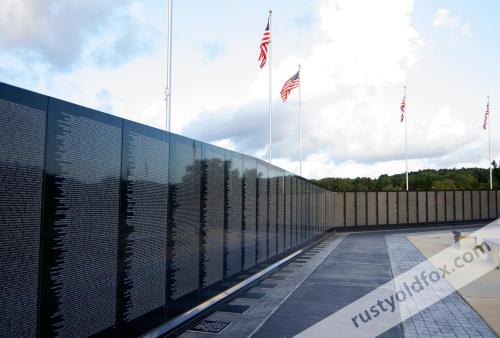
x: 290, y: 84
x: 485, y: 123
x: 266, y: 39
x: 403, y: 108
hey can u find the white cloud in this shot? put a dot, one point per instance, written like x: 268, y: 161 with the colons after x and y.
x: 351, y: 88
x: 366, y: 43
x: 443, y: 18
x: 58, y: 33
x: 349, y: 79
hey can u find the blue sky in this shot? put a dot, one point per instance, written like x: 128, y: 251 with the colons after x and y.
x: 356, y: 57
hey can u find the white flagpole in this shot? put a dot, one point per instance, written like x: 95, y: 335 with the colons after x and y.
x: 406, y: 140
x: 270, y: 87
x: 489, y: 144
x: 168, y: 89
x: 300, y: 124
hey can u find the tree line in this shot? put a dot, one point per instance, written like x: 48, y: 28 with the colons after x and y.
x: 429, y: 179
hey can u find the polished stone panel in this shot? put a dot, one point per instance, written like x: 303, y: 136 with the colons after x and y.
x: 467, y: 205
x: 412, y: 207
x: 339, y: 209
x: 402, y: 207
x: 288, y: 211
x: 233, y: 212
x: 492, y: 204
x: 372, y: 208
x: 143, y: 226
x: 273, y: 212
x: 422, y: 206
x: 22, y: 150
x: 212, y: 213
x: 262, y: 210
x: 350, y: 208
x: 441, y: 206
x: 431, y: 206
x: 82, y: 194
x: 476, y: 205
x: 450, y: 206
x: 185, y: 217
x: 293, y: 206
x: 249, y: 211
x: 459, y: 206
x: 382, y: 208
x: 361, y: 204
x: 392, y: 201
x: 280, y: 211
x: 484, y: 204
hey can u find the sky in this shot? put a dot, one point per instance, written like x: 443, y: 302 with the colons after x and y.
x: 356, y: 57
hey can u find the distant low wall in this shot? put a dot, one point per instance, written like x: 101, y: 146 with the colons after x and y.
x: 111, y: 228
x: 385, y: 208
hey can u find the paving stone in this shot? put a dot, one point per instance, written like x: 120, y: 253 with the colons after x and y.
x: 450, y: 316
x: 253, y: 295
x: 267, y: 285
x: 277, y: 277
x: 233, y: 308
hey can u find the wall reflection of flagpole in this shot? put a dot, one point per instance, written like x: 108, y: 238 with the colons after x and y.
x: 300, y: 125
x: 289, y: 85
x: 406, y: 146
x: 270, y: 87
x: 487, y: 124
x: 489, y: 145
x: 404, y: 118
x: 266, y: 53
x: 168, y: 89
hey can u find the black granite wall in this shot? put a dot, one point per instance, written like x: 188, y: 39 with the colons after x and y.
x: 110, y: 228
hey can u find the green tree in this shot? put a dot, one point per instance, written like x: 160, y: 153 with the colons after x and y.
x: 444, y: 184
x: 384, y: 182
x: 465, y: 181
x: 429, y: 179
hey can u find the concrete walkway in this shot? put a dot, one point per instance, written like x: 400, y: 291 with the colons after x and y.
x: 266, y: 297
x: 332, y: 275
x: 358, y: 265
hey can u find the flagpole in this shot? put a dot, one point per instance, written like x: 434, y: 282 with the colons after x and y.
x: 300, y: 125
x: 489, y: 145
x: 406, y: 141
x: 168, y: 89
x: 270, y: 87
